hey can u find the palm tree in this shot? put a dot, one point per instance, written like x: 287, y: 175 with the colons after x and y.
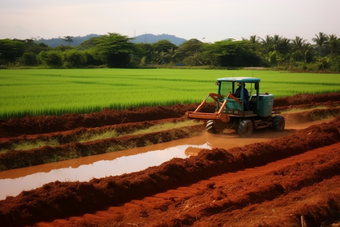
x: 161, y: 56
x: 172, y: 53
x: 254, y: 39
x: 276, y: 42
x: 284, y: 46
x: 267, y: 44
x: 196, y: 58
x: 320, y: 41
x: 306, y: 47
x: 297, y: 44
x: 333, y: 44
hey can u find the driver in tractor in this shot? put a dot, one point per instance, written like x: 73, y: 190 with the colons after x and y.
x: 245, y: 94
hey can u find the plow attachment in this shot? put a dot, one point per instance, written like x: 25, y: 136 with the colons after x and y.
x: 219, y: 115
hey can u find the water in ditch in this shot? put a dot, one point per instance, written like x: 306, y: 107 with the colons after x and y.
x: 12, y: 182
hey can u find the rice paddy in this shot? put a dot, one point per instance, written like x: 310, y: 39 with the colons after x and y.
x: 58, y: 91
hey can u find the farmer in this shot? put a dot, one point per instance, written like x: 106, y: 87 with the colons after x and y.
x: 245, y: 94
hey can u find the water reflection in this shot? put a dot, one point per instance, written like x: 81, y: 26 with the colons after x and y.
x: 12, y: 182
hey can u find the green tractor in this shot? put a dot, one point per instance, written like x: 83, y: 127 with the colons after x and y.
x: 239, y: 108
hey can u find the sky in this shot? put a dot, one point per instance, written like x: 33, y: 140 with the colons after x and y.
x: 205, y: 20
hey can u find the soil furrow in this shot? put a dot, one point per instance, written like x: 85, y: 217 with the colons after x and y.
x: 75, y: 198
x: 228, y: 194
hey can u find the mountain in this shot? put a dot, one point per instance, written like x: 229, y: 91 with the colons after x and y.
x: 150, y: 38
x: 54, y: 42
x: 146, y: 38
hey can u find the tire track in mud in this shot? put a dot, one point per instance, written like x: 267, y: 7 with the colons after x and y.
x: 75, y: 198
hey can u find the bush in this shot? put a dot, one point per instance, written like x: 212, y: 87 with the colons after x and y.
x: 74, y: 59
x: 28, y: 59
x: 52, y: 58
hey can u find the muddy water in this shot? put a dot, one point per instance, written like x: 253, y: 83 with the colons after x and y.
x: 13, y: 182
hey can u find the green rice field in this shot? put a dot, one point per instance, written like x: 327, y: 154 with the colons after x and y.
x: 57, y: 91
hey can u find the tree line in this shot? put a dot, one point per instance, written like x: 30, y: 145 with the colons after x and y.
x: 118, y: 51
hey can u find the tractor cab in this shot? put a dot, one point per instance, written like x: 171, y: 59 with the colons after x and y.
x: 243, y: 97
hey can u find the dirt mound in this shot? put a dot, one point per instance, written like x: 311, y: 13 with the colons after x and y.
x: 47, y: 124
x: 61, y: 200
x: 301, y: 99
x: 23, y: 158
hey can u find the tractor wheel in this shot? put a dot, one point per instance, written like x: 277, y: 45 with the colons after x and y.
x: 278, y: 123
x: 213, y: 127
x: 245, y: 128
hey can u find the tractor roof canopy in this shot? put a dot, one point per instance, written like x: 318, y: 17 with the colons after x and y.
x: 240, y: 79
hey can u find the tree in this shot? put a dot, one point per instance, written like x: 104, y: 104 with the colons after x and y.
x: 173, y: 53
x: 190, y: 47
x: 34, y: 46
x: 116, y: 50
x: 306, y: 48
x: 297, y: 46
x: 74, y: 59
x: 145, y: 52
x: 11, y: 50
x: 28, y: 58
x: 333, y: 44
x: 231, y: 53
x: 163, y: 45
x: 68, y: 39
x: 51, y: 58
x: 267, y: 44
x: 254, y: 39
x: 161, y: 57
x: 88, y: 44
x: 63, y: 48
x: 320, y: 41
x: 190, y: 52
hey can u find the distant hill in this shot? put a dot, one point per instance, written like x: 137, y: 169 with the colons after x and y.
x: 150, y: 38
x: 146, y: 38
x: 54, y: 42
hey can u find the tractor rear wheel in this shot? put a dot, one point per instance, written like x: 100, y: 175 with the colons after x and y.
x: 245, y: 128
x: 278, y: 123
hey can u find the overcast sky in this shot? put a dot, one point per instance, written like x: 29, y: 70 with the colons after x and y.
x: 206, y: 20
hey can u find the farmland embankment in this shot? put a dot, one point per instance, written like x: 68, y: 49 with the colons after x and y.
x: 65, y: 131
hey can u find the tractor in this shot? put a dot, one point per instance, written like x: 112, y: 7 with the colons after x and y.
x: 239, y: 109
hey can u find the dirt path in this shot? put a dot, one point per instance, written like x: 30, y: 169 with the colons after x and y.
x: 288, y: 181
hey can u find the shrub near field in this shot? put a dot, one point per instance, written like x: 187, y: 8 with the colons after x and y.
x: 59, y: 91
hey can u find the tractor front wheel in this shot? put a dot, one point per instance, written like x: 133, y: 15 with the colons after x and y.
x: 214, y: 127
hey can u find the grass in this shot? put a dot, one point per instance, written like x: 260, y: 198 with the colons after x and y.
x: 166, y: 126
x: 58, y: 91
x: 90, y: 136
x: 27, y: 145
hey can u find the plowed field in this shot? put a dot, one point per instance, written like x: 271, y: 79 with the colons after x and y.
x: 293, y: 180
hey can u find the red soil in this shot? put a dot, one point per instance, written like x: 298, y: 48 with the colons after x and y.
x: 290, y: 181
